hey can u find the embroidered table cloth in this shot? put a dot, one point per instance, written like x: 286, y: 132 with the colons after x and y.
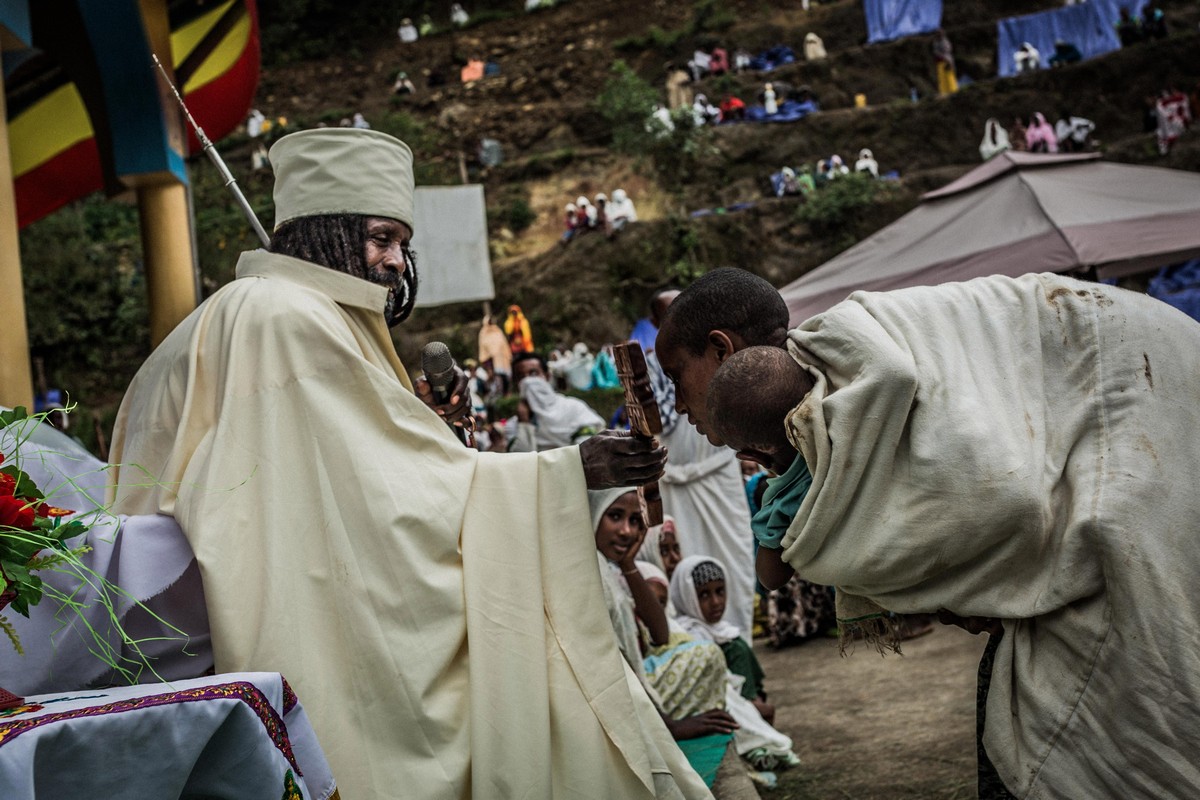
x: 234, y: 735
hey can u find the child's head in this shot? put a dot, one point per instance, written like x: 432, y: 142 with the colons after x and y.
x: 657, y: 580
x: 749, y: 399
x: 617, y: 517
x: 661, y: 547
x: 668, y: 546
x: 709, y: 581
x: 698, y: 589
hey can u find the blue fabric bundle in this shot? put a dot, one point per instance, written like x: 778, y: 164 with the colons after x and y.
x: 789, y: 111
x: 1179, y: 286
x: 777, y: 56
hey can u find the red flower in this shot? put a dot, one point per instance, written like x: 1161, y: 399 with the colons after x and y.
x: 8, y: 485
x: 44, y: 510
x: 15, y: 513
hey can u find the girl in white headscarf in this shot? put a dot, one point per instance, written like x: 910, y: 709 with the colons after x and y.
x: 661, y: 547
x: 698, y: 592
x: 756, y: 739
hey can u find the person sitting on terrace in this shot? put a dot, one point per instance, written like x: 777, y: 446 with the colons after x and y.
x: 1064, y: 53
x: 1027, y: 58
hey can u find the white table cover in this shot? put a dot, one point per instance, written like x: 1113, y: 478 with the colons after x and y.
x: 235, y: 735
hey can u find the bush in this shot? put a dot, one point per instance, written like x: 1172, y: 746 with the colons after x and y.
x: 839, y: 202
x: 518, y: 215
x: 85, y: 297
x: 707, y: 16
x: 626, y: 102
x: 712, y: 15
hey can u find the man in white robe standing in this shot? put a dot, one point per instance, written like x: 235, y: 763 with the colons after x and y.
x: 438, y: 609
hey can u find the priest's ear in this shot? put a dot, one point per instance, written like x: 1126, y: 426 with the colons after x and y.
x: 721, y: 344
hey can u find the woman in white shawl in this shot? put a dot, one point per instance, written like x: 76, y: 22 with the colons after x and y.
x: 691, y: 677
x: 546, y: 419
x: 995, y: 139
x: 867, y: 163
x: 661, y: 546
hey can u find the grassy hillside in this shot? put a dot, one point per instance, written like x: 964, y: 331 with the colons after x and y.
x: 542, y: 108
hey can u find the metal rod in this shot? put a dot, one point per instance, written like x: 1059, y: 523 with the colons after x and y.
x: 215, y: 157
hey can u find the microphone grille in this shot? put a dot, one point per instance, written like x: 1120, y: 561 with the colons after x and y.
x: 436, y: 358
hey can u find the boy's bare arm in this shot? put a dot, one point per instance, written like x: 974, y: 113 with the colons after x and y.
x: 772, y: 571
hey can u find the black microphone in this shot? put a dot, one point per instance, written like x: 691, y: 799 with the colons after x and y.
x: 439, y: 368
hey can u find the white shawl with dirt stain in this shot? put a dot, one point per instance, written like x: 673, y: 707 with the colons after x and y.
x: 1024, y: 449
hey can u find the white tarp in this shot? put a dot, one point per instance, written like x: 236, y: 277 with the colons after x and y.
x: 452, y: 245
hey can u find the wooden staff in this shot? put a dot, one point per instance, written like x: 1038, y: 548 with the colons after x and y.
x: 644, y: 419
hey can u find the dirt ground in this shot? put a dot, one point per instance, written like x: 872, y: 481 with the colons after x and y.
x: 870, y: 728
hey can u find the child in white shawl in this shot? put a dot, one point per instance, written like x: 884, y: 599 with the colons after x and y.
x: 698, y: 592
x: 756, y: 738
x: 661, y: 547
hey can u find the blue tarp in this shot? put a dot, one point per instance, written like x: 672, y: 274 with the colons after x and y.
x: 789, y: 111
x: 1086, y: 26
x: 1179, y: 286
x: 895, y: 19
x: 777, y: 56
x: 644, y: 334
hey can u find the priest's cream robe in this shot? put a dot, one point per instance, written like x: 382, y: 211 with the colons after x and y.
x: 438, y: 610
x: 1025, y: 449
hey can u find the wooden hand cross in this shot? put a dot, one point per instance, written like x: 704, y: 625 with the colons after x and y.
x: 644, y: 419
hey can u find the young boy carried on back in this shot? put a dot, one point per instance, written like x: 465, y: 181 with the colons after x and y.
x: 755, y: 425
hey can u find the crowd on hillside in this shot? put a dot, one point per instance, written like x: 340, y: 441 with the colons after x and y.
x: 803, y: 180
x: 1034, y: 134
x: 696, y: 93
x: 603, y: 215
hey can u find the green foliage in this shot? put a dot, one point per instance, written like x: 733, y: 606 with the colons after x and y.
x: 488, y: 15
x: 707, y: 16
x: 222, y: 231
x: 85, y: 295
x: 423, y: 139
x: 712, y: 15
x: 518, y: 216
x: 626, y: 102
x: 839, y: 202
x: 655, y: 38
x: 299, y: 30
x: 681, y: 154
x: 540, y: 165
x: 334, y: 116
x: 687, y: 265
x: 725, y: 84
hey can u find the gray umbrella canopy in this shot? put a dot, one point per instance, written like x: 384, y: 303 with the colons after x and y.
x: 1019, y: 213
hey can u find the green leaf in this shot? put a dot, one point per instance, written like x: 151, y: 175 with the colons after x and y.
x: 16, y: 415
x: 25, y: 487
